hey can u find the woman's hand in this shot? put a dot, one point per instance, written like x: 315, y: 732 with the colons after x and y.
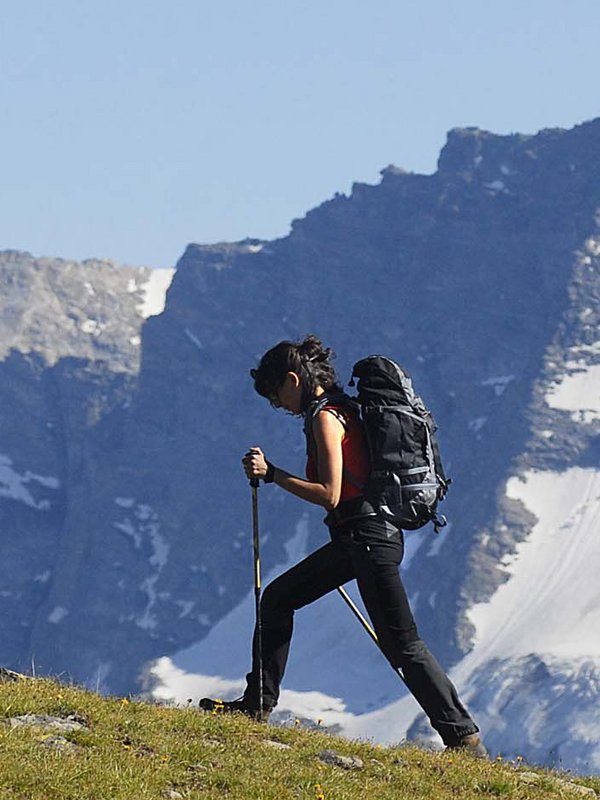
x: 255, y: 463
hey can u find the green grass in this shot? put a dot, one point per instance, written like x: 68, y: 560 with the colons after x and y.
x: 135, y: 750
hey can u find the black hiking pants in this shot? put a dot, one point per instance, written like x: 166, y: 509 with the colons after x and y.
x: 370, y: 551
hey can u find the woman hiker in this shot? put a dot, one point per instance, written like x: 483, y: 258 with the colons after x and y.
x: 362, y: 546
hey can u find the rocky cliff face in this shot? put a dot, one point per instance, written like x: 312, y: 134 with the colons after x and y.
x: 70, y: 348
x: 124, y: 506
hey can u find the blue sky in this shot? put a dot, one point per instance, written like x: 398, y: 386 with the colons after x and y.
x: 131, y: 128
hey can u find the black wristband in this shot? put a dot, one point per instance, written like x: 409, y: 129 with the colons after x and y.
x: 270, y: 476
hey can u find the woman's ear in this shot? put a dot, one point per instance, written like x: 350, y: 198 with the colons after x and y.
x: 294, y: 378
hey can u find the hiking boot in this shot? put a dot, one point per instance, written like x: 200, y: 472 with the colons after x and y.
x: 471, y: 744
x: 239, y: 706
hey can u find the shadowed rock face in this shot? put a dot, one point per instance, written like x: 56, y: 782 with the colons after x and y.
x: 124, y: 511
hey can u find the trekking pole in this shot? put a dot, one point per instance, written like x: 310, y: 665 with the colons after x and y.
x: 364, y: 622
x: 256, y: 545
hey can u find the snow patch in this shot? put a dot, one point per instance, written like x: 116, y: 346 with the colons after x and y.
x: 143, y: 527
x: 158, y: 559
x: 17, y: 487
x: 155, y: 292
x: 93, y: 327
x: 49, y: 483
x: 498, y: 383
x: 496, y: 186
x: 171, y: 683
x: 592, y: 246
x: 586, y: 349
x: 579, y: 393
x: 186, y: 607
x: 128, y: 528
x: 124, y: 502
x: 477, y: 424
x: 57, y: 615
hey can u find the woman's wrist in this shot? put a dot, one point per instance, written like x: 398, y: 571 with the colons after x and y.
x: 269, y: 476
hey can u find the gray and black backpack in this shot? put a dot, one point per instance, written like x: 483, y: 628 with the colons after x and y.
x: 407, y: 479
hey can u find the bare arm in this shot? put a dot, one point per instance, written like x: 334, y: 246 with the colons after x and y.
x: 328, y: 432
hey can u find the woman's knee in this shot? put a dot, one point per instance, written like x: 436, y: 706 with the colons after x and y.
x: 411, y: 653
x: 273, y: 599
x: 401, y: 649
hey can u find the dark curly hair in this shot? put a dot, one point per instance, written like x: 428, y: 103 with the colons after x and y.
x: 309, y: 359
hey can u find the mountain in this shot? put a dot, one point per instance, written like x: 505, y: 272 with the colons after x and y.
x: 128, y: 515
x: 71, y: 352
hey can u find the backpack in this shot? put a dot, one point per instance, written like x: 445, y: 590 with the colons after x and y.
x: 407, y: 479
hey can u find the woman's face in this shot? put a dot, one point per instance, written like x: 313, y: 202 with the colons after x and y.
x: 289, y: 394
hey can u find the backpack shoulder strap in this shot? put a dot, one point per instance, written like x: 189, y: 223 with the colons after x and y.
x: 311, y: 412
x: 314, y: 408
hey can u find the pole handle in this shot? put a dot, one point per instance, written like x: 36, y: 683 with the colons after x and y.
x: 254, y: 483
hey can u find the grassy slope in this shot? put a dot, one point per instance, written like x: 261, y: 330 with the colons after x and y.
x: 135, y: 750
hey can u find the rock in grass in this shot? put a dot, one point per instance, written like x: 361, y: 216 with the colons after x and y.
x: 534, y: 777
x: 337, y: 760
x: 579, y: 789
x: 65, y: 725
x: 277, y: 745
x: 60, y: 743
x: 530, y: 777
